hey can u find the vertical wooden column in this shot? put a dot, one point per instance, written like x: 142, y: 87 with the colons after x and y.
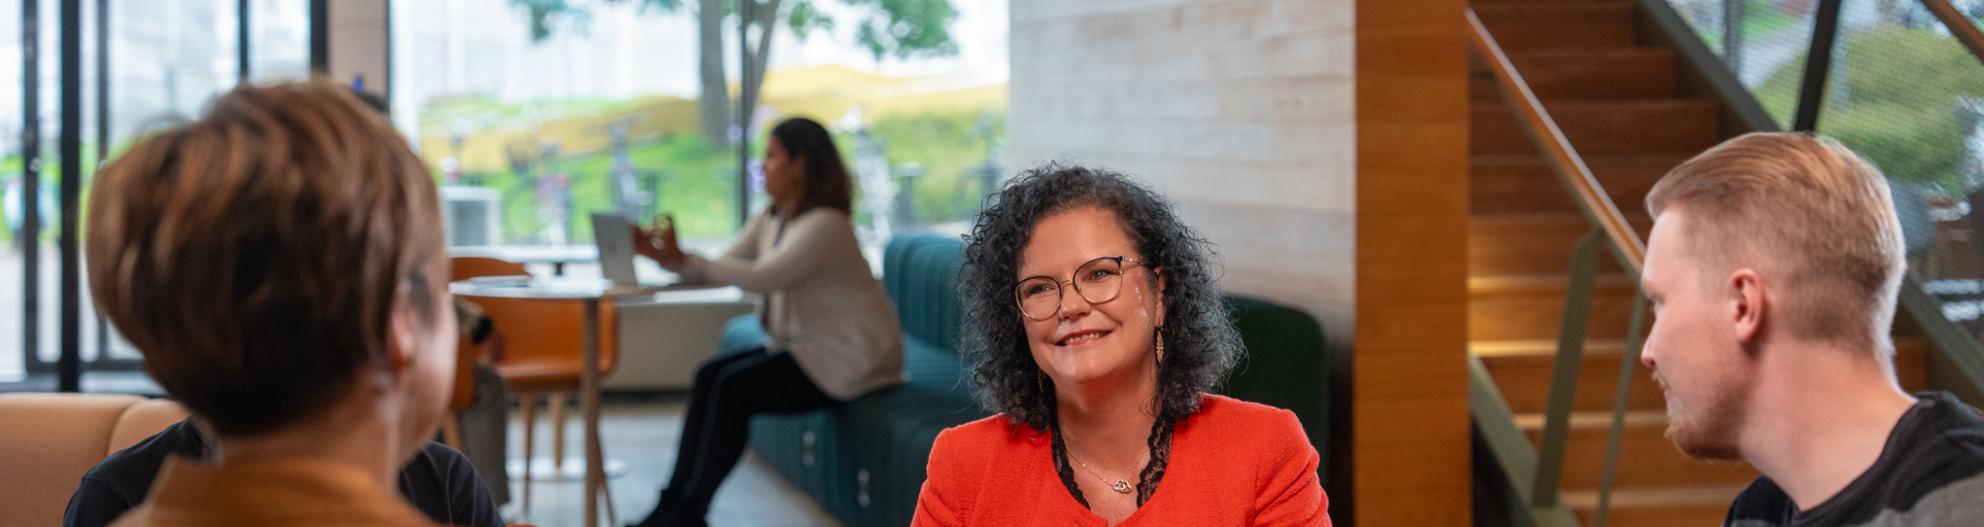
x: 1410, y: 458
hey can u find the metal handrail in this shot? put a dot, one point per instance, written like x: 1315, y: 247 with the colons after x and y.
x: 1962, y: 28
x: 1564, y: 160
x: 1512, y: 452
x: 1536, y: 473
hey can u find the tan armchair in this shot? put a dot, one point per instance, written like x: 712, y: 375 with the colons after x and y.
x: 49, y: 441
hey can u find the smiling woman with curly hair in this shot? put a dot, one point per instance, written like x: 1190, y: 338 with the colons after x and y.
x: 1095, y: 325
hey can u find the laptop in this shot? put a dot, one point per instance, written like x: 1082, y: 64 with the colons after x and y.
x: 610, y: 231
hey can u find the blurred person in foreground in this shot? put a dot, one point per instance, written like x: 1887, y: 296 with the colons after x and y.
x: 439, y: 481
x: 279, y: 264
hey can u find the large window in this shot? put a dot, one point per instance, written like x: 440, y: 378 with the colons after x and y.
x: 919, y: 111
x: 534, y: 114
x: 278, y: 40
x: 142, y: 65
x: 528, y: 135
x: 14, y: 202
x: 1758, y: 40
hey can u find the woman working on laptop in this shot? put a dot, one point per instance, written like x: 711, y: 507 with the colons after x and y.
x: 833, y: 333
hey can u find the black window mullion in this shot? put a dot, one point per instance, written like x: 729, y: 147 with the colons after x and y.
x: 31, y: 186
x: 241, y: 40
x: 69, y: 366
x: 102, y: 146
x: 320, y: 37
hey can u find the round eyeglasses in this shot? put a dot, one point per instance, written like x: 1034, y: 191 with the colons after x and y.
x: 1097, y: 281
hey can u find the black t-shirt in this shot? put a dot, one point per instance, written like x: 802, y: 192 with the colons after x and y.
x: 439, y: 482
x: 1930, y: 473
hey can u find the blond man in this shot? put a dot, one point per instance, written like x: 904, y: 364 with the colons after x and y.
x: 1772, y: 271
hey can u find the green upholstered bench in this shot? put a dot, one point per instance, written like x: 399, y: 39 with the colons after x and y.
x: 864, y: 461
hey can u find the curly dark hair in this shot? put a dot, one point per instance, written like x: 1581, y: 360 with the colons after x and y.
x: 1201, y: 344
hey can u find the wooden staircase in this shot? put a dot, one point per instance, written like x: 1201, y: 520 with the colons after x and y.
x: 1621, y: 108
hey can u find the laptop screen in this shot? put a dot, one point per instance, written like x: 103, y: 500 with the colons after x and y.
x: 616, y: 248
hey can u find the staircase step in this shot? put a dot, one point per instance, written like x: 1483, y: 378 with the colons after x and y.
x: 1533, y: 243
x: 1705, y: 505
x: 1646, y: 458
x: 1526, y: 183
x: 1533, y: 25
x: 1522, y: 369
x: 1532, y: 307
x: 1525, y: 378
x: 1614, y: 73
x: 1631, y: 126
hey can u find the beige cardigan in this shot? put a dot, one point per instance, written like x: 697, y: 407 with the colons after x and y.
x: 824, y: 305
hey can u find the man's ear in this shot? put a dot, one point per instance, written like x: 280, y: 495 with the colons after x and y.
x: 1749, y: 304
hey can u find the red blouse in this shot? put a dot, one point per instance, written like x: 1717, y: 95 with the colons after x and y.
x: 1232, y: 463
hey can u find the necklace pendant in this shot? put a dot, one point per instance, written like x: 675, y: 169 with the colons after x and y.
x: 1120, y: 486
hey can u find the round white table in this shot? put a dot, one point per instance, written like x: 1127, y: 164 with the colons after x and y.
x: 589, y: 292
x: 557, y: 256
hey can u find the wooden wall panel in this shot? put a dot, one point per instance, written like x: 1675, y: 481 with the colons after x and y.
x: 1411, y: 455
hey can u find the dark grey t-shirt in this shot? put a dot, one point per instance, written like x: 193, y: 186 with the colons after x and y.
x: 1930, y: 473
x: 439, y: 482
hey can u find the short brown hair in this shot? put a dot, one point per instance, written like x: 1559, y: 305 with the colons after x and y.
x: 256, y: 255
x: 1807, y: 211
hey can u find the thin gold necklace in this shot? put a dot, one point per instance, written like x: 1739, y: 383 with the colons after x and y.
x: 1120, y: 485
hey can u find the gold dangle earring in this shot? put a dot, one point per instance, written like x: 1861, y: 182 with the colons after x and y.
x: 1160, y: 347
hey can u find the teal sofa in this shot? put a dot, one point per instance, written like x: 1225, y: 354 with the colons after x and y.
x: 864, y: 461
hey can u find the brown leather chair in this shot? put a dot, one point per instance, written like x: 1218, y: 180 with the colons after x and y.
x: 50, y: 440
x: 466, y: 267
x: 466, y: 355
x: 542, y: 342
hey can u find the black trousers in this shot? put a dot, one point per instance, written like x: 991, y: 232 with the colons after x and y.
x: 728, y: 390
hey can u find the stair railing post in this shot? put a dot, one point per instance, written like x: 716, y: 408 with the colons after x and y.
x: 1628, y: 360
x: 1564, y: 374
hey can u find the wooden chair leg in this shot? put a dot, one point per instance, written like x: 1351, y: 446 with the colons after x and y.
x: 530, y: 433
x: 557, y: 431
x: 451, y: 432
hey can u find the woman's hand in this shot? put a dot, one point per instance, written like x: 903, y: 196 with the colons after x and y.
x: 657, y: 242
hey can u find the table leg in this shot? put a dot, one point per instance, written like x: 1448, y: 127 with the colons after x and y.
x: 589, y: 395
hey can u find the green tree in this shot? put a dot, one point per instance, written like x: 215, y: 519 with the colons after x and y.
x: 897, y: 29
x: 1899, y: 104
